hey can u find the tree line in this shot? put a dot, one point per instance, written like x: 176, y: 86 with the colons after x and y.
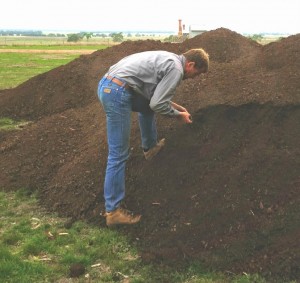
x: 72, y: 37
x: 21, y: 33
x: 76, y: 37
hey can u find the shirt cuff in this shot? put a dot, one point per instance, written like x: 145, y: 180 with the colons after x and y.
x: 174, y: 112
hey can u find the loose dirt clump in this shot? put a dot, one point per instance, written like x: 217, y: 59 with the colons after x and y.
x: 224, y: 191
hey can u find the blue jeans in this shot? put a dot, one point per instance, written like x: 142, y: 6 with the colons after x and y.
x: 117, y: 104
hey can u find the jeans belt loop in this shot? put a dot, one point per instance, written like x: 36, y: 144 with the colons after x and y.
x: 117, y: 81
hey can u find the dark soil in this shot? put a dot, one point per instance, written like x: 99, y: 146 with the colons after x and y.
x: 225, y: 191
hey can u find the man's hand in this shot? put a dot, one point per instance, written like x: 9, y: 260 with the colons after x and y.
x: 185, y: 117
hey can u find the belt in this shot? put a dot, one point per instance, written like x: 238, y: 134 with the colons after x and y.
x: 117, y: 81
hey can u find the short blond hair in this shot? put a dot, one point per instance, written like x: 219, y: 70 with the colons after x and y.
x: 199, y: 56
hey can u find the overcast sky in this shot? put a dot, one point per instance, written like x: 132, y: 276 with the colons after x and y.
x: 242, y: 16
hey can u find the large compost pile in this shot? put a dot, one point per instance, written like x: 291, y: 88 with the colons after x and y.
x: 225, y: 190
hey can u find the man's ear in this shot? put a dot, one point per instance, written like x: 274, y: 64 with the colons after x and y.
x: 190, y: 65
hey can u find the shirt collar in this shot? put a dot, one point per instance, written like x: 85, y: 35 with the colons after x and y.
x: 182, y: 60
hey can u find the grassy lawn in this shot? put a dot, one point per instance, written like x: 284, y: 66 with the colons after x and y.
x: 36, y: 247
x: 16, y: 68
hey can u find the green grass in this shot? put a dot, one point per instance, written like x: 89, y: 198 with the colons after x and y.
x: 35, y: 246
x: 16, y: 68
x: 7, y: 124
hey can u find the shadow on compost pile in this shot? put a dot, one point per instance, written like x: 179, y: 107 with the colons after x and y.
x: 224, y: 191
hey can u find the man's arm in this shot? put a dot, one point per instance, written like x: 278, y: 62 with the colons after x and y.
x: 165, y: 90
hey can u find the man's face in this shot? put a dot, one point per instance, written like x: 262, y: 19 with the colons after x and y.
x: 191, y: 71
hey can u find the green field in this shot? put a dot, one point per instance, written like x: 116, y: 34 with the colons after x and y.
x: 16, y: 68
x: 9, y: 41
x: 17, y: 65
x: 46, y: 41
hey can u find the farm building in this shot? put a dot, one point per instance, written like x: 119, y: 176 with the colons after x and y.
x: 195, y: 30
x: 191, y: 32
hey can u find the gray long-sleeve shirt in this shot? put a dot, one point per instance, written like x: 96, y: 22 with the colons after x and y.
x: 153, y: 74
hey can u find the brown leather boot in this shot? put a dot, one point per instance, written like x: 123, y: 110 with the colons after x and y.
x: 121, y: 216
x: 154, y: 150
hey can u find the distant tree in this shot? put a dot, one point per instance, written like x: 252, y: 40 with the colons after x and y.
x: 171, y: 38
x: 117, y: 37
x: 88, y: 35
x: 33, y: 33
x: 82, y: 34
x: 74, y: 37
x: 256, y: 37
x: 21, y: 32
